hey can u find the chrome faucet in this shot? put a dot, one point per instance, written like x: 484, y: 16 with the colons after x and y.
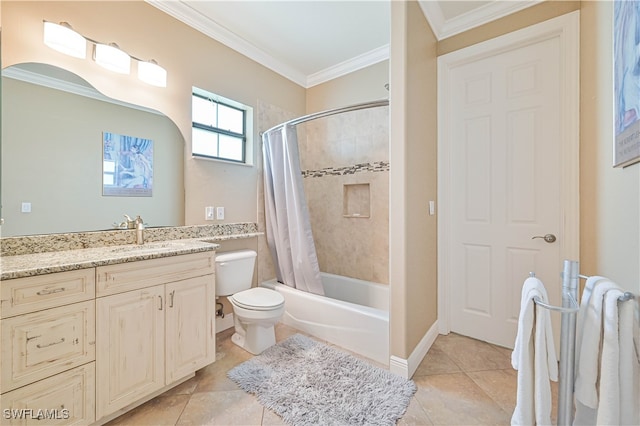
x: 131, y: 223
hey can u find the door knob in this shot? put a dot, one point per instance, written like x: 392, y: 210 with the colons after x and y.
x: 549, y: 238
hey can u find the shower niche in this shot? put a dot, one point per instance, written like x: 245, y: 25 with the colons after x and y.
x: 356, y: 200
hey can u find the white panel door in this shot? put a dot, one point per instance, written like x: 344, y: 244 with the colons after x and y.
x: 505, y: 136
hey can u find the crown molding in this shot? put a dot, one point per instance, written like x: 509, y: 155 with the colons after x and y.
x: 66, y: 86
x: 209, y: 27
x: 444, y: 28
x: 198, y: 21
x: 361, y: 61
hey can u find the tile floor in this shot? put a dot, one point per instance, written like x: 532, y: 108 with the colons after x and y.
x: 461, y: 381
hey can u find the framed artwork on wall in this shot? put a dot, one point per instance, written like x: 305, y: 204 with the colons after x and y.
x: 127, y: 166
x: 626, y: 69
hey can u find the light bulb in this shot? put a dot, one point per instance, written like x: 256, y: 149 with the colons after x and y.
x: 112, y: 58
x: 62, y: 38
x: 152, y: 73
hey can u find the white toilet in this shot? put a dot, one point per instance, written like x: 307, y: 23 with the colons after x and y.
x: 255, y: 310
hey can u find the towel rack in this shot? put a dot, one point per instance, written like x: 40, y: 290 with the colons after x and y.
x: 626, y: 296
x: 570, y: 277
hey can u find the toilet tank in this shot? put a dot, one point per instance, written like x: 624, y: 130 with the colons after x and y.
x: 234, y: 271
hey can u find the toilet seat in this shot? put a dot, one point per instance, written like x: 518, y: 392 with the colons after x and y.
x: 258, y: 299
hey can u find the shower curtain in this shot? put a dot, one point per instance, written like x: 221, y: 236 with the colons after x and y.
x: 287, y: 218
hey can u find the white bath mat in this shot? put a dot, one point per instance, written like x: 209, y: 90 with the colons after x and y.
x: 309, y: 383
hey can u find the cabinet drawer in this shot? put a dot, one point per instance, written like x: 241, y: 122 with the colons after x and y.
x: 31, y: 294
x: 112, y: 279
x: 65, y: 399
x: 44, y: 343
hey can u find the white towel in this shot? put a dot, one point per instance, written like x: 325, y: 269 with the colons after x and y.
x: 628, y: 327
x: 587, y: 371
x: 607, y: 386
x: 535, y: 359
x: 584, y: 416
x: 584, y: 305
x: 609, y: 395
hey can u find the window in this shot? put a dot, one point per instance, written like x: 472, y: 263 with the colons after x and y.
x: 219, y: 128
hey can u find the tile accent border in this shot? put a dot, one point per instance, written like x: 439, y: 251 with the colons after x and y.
x: 377, y: 166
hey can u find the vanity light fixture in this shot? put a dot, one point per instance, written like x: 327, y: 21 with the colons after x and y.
x: 152, y: 73
x: 64, y: 39
x: 110, y: 56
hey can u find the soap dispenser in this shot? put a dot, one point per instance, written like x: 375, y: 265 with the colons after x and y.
x: 140, y: 233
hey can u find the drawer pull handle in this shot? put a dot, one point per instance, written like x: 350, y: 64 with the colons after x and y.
x: 160, y: 308
x: 52, y: 291
x: 39, y: 346
x: 171, y: 300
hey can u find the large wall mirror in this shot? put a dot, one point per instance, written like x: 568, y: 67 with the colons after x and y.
x: 52, y: 156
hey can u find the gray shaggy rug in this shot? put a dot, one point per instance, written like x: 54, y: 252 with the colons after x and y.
x: 309, y: 383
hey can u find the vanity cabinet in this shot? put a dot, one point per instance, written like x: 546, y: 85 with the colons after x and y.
x: 156, y: 330
x: 84, y: 346
x: 47, y: 368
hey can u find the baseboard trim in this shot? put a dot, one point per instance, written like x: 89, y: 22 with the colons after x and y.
x: 406, y: 367
x: 224, y: 323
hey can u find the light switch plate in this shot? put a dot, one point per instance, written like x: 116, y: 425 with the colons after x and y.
x: 208, y: 213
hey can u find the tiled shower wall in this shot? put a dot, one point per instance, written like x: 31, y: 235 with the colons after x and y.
x: 338, y: 151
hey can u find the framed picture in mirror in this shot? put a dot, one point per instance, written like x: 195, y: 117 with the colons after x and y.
x: 626, y: 59
x: 127, y: 166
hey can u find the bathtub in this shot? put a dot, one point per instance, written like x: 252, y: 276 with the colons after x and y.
x: 353, y: 314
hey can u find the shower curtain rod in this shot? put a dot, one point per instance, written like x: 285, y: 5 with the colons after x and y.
x: 321, y: 114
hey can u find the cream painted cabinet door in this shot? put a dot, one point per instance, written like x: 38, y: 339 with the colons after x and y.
x: 190, y: 328
x: 129, y: 348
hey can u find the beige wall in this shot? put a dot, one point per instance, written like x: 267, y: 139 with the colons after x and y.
x: 412, y: 244
x: 610, y: 197
x: 532, y: 15
x: 364, y: 85
x: 190, y: 58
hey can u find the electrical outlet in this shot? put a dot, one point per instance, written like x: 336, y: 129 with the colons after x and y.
x: 220, y: 213
x: 26, y: 207
x: 208, y: 213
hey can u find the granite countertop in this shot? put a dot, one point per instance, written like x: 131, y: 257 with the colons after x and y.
x: 44, y: 254
x: 27, y: 265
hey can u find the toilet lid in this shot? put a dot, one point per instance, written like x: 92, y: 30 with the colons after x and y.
x: 258, y: 299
